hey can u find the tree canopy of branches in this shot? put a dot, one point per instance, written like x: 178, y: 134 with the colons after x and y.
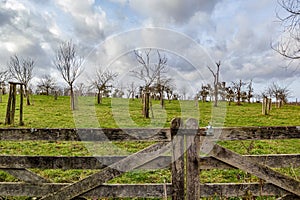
x: 150, y: 73
x: 101, y: 81
x: 280, y: 93
x: 69, y: 65
x: 131, y: 90
x: 46, y: 84
x: 21, y: 69
x: 289, y: 46
x: 237, y: 86
x: 216, y: 75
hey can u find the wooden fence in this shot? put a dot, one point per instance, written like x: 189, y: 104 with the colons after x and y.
x: 182, y: 140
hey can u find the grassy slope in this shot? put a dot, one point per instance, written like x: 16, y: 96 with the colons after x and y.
x: 45, y: 112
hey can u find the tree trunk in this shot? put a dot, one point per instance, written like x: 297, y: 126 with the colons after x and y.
x: 99, y: 97
x: 72, y: 98
x: 146, y: 104
x: 161, y: 99
x: 27, y: 96
x: 216, y: 96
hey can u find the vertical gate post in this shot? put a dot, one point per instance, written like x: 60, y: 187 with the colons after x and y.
x: 8, y: 108
x: 13, y: 105
x: 192, y: 162
x: 21, y: 104
x: 177, y: 159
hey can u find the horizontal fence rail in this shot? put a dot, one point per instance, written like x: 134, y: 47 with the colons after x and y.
x: 90, y: 162
x: 112, y: 134
x: 145, y: 190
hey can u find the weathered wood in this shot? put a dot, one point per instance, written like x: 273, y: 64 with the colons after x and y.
x: 13, y: 104
x: 249, y: 165
x: 26, y: 176
x: 105, y: 134
x: 21, y: 123
x: 227, y: 190
x: 143, y: 190
x: 115, y: 134
x: 8, y: 107
x: 177, y: 159
x: 289, y: 197
x: 192, y: 161
x: 272, y: 160
x: 91, y: 162
x: 127, y: 164
x: 260, y: 133
x: 78, y: 162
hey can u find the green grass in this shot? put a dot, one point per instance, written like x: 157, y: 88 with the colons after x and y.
x: 112, y: 113
x: 48, y: 113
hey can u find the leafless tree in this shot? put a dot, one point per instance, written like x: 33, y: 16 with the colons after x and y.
x: 150, y: 73
x: 280, y: 93
x: 131, y: 90
x: 46, y: 84
x: 289, y: 46
x: 216, y: 75
x: 250, y: 91
x: 4, y: 76
x: 69, y: 64
x: 101, y: 82
x: 237, y: 86
x: 21, y: 69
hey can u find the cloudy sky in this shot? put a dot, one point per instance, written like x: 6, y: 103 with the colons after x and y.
x: 192, y: 34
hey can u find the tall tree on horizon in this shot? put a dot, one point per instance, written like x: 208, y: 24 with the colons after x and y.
x: 68, y: 63
x: 21, y: 69
x: 216, y: 75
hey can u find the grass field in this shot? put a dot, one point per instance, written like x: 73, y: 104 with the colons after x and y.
x: 48, y: 113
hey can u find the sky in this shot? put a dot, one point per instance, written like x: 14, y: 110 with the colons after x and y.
x: 191, y: 34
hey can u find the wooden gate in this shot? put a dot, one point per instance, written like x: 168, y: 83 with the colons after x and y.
x: 184, y: 142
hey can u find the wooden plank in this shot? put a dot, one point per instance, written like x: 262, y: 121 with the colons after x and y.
x: 192, y: 162
x: 26, y: 176
x: 227, y: 190
x: 260, y: 133
x: 249, y: 165
x: 242, y: 133
x: 78, y: 162
x: 90, y: 162
x: 178, y: 176
x: 127, y: 164
x: 92, y: 134
x: 143, y: 190
x: 271, y: 160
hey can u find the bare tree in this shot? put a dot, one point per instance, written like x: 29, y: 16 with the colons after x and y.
x: 21, y: 69
x: 4, y: 76
x: 131, y: 90
x: 250, y: 91
x: 204, y: 92
x: 69, y: 64
x: 150, y: 73
x: 237, y: 86
x: 216, y: 82
x: 289, y: 46
x: 280, y: 93
x: 101, y: 81
x: 46, y: 84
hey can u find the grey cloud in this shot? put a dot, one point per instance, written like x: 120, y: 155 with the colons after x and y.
x: 177, y: 11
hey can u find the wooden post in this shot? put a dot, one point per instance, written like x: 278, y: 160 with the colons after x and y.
x: 269, y: 105
x: 192, y: 163
x: 8, y: 108
x: 177, y: 159
x: 21, y: 105
x: 13, y: 103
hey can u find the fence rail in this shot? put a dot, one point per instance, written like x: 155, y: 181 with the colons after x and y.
x: 177, y: 140
x: 112, y: 134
